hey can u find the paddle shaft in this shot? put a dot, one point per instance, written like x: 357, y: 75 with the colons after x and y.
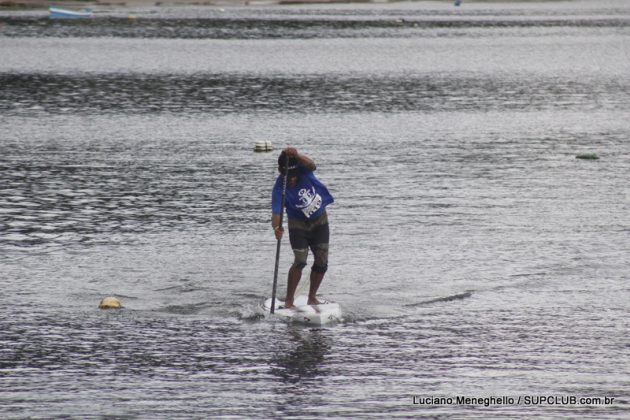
x: 275, y: 271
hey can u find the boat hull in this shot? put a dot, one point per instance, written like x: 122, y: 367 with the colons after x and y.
x: 57, y: 13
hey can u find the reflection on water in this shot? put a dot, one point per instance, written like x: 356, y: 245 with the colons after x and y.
x: 55, y: 198
x: 25, y: 94
x: 302, y: 355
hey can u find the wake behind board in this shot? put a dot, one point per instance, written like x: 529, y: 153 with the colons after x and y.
x: 322, y: 314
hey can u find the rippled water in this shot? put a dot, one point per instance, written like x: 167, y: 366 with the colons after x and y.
x: 472, y: 253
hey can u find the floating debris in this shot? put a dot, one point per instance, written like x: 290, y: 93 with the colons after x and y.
x: 587, y: 156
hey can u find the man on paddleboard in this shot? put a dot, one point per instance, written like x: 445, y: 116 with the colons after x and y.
x: 305, y: 200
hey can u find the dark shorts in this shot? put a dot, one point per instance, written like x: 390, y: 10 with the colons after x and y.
x: 313, y: 234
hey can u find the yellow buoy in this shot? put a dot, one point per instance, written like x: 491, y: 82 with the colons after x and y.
x: 110, y: 302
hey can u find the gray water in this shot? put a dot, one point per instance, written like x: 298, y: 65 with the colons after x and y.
x: 472, y: 253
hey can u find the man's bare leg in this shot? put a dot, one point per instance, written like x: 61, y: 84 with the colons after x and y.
x: 293, y: 279
x: 316, y: 281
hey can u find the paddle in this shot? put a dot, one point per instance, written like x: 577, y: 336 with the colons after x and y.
x: 275, y: 271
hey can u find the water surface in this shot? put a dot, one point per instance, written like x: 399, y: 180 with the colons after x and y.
x: 472, y: 253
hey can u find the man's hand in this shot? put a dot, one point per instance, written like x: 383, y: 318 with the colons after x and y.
x: 303, y: 160
x: 291, y: 151
x: 278, y: 231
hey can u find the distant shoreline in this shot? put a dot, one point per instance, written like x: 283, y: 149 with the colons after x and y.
x: 78, y: 4
x: 82, y: 4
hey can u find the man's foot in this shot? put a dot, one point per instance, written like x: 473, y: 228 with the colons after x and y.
x: 313, y: 301
x: 288, y: 305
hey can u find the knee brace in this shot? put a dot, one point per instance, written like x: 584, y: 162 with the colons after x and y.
x: 300, y: 258
x: 319, y: 268
x: 298, y: 265
x: 320, y: 265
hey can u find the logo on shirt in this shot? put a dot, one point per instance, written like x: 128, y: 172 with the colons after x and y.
x: 310, y: 201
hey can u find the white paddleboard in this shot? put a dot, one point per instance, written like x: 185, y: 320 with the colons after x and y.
x: 325, y: 313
